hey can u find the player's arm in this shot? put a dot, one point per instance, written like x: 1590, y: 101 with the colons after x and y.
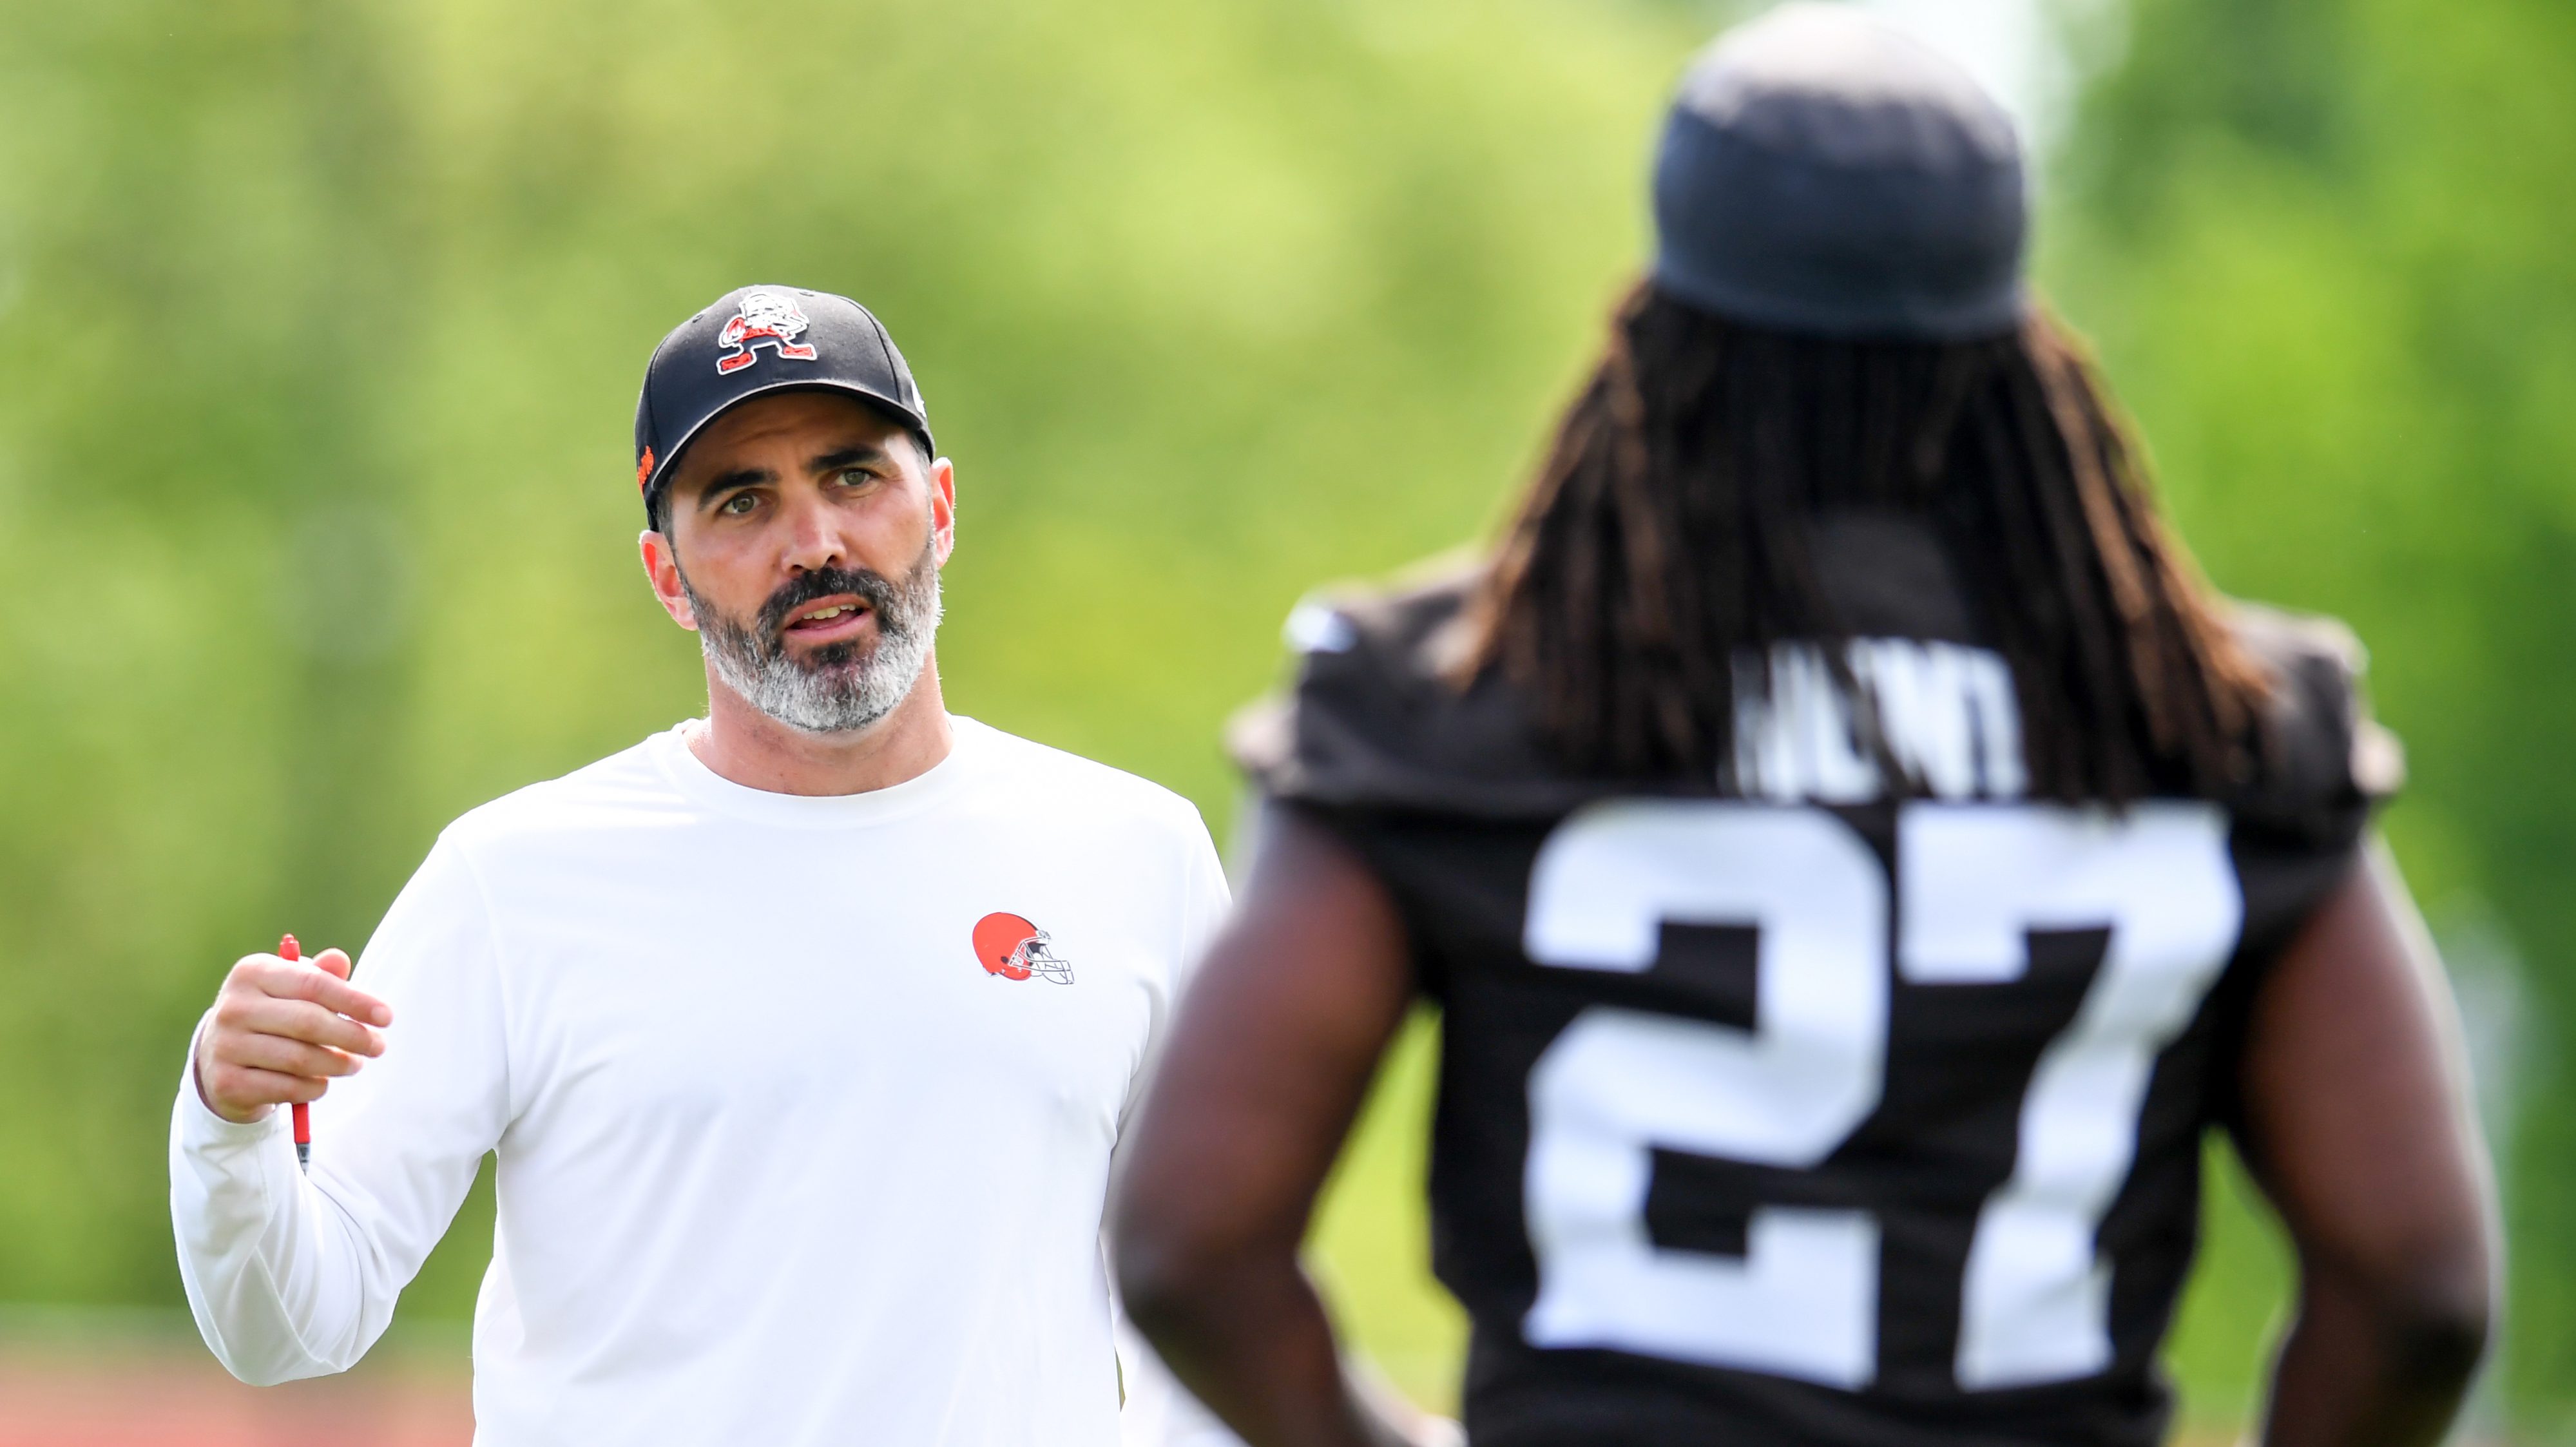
x: 2357, y: 1123
x: 292, y: 1275
x: 1271, y: 1058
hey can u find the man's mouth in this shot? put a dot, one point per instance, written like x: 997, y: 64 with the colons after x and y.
x: 828, y: 620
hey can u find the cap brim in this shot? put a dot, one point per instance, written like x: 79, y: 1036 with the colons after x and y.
x: 911, y: 420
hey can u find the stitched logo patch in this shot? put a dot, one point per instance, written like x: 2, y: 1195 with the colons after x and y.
x: 770, y: 318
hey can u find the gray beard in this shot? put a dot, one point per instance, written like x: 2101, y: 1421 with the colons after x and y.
x: 839, y: 689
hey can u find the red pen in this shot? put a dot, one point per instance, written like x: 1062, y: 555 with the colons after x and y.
x: 288, y: 949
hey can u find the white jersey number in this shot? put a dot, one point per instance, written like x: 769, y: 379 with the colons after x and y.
x: 1973, y: 880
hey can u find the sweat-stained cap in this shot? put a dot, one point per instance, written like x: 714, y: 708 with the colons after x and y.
x: 756, y: 340
x: 1823, y: 172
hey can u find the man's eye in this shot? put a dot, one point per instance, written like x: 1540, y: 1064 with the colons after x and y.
x: 856, y: 477
x: 737, y: 505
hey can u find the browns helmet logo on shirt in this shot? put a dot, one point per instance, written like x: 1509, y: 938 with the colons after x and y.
x: 767, y: 316
x: 1015, y: 949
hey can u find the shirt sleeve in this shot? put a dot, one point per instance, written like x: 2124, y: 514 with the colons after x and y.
x: 294, y: 1276
x: 1156, y: 1410
x: 1201, y: 900
x: 1207, y: 899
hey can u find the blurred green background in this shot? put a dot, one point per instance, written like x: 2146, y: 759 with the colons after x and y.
x: 320, y: 325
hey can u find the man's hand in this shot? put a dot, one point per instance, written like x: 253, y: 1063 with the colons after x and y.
x: 282, y: 1031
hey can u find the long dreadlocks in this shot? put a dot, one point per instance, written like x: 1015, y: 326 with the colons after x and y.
x: 1667, y: 536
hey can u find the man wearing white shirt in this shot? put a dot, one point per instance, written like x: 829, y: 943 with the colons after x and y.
x: 804, y: 1032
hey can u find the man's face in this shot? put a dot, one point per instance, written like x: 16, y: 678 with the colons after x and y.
x: 803, y: 537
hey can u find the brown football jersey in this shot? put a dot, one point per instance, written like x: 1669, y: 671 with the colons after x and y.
x: 1797, y: 1104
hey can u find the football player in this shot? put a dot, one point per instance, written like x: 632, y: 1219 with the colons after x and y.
x: 1856, y: 861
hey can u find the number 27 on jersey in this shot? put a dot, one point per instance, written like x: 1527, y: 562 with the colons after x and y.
x: 1971, y: 881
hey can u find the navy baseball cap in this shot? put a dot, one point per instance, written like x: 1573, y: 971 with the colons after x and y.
x: 1824, y: 172
x: 756, y: 340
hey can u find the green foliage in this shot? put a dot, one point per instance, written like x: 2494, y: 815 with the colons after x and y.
x: 320, y: 324
x: 2324, y: 249
x: 321, y: 333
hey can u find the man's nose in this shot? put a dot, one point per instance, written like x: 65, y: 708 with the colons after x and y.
x: 814, y: 538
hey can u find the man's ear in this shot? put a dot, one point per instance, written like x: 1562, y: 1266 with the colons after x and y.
x: 943, y: 507
x: 662, y: 570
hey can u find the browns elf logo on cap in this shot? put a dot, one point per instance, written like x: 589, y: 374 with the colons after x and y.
x: 766, y: 316
x: 1014, y: 949
x: 836, y: 345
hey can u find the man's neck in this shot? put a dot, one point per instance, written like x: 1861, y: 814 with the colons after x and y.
x: 740, y: 743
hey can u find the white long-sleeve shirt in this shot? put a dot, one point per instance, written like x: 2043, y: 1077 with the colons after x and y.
x: 784, y: 1158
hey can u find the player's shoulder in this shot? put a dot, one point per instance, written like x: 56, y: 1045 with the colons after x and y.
x: 1057, y: 781
x: 2323, y: 760
x: 1379, y: 716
